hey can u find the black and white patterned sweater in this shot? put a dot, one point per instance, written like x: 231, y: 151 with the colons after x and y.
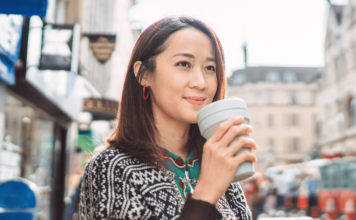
x: 118, y: 186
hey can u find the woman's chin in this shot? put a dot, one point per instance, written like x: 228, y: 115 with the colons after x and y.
x: 192, y: 120
x: 189, y: 116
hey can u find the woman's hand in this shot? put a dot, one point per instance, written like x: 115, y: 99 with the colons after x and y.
x: 219, y: 162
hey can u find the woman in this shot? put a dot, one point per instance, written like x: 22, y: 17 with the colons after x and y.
x: 156, y: 154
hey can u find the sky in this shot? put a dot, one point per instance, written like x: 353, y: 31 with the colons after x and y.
x: 277, y: 32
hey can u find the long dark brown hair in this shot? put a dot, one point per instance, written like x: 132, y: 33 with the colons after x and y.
x: 135, y: 130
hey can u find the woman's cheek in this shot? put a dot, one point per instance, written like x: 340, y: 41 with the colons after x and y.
x: 212, y: 86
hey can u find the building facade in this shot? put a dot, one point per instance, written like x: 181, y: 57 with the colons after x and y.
x: 47, y: 108
x: 36, y: 119
x: 107, y: 40
x: 106, y: 43
x: 336, y: 96
x: 280, y: 101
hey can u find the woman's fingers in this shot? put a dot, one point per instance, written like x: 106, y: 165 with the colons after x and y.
x: 233, y: 132
x: 243, y: 157
x: 224, y: 127
x: 241, y: 143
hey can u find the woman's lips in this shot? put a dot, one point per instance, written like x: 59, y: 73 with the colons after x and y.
x: 195, y: 100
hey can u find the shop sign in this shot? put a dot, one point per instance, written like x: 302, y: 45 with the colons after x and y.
x: 60, y: 48
x: 102, y: 109
x: 102, y: 46
x: 7, y: 72
x: 10, y: 43
x: 10, y: 160
x: 24, y: 7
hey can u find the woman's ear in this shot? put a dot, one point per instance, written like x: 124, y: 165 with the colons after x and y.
x: 136, y: 67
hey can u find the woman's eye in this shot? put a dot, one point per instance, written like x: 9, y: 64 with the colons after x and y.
x: 210, y: 68
x: 184, y: 64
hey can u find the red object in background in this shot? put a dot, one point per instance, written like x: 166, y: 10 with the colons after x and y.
x: 331, y: 156
x: 337, y: 155
x: 333, y: 214
x: 249, y: 190
x: 314, y: 213
x: 347, y: 204
x: 328, y: 202
x: 246, y: 196
x: 288, y: 201
x: 351, y: 216
x: 347, y: 201
x: 302, y: 202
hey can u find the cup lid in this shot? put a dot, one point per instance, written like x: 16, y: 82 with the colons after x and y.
x: 220, y: 105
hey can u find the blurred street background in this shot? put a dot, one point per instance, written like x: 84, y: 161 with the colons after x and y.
x: 63, y: 62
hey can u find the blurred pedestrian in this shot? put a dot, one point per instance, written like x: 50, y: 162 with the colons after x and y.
x: 71, y: 209
x: 253, y: 197
x: 303, y: 194
x: 281, y: 185
x: 313, y: 185
x: 263, y: 190
x: 271, y: 201
x: 293, y: 191
x: 154, y: 166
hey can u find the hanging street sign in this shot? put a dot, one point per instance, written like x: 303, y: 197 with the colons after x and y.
x: 101, y: 109
x: 24, y: 7
x: 10, y: 45
x: 60, y: 48
x: 102, y: 45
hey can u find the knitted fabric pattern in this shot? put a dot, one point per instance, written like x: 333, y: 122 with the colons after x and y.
x: 118, y: 186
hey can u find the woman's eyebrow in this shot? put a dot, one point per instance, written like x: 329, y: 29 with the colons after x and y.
x: 212, y: 59
x: 192, y: 56
x: 185, y: 55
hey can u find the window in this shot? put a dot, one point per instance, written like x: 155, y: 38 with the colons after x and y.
x: 339, y: 118
x: 289, y: 77
x: 269, y: 97
x: 354, y: 55
x: 317, y: 126
x: 295, y: 120
x: 270, y: 121
x: 352, y: 14
x: 292, y: 120
x: 239, y: 79
x: 270, y: 144
x: 352, y: 113
x: 340, y: 65
x: 294, y: 145
x: 272, y: 77
x: 291, y: 98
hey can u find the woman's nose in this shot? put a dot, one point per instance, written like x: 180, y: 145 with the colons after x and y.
x: 197, y: 80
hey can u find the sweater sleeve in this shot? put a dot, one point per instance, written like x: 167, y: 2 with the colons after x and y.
x: 106, y: 194
x: 199, y: 210
x: 237, y: 201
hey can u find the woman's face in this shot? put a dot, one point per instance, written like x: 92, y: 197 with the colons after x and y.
x: 185, y: 79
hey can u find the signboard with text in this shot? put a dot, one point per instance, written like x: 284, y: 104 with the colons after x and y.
x: 101, y: 109
x: 24, y: 7
x: 10, y: 45
x: 60, y: 44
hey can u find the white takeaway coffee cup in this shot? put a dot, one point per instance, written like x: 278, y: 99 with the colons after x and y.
x: 217, y: 112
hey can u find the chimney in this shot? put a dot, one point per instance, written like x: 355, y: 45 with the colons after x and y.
x: 244, y: 48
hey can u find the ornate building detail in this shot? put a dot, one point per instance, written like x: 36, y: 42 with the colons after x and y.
x: 102, y: 46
